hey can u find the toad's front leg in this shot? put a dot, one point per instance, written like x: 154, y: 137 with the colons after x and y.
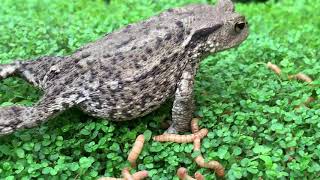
x: 183, y: 105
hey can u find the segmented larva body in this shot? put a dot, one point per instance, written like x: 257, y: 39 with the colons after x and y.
x: 215, y: 165
x: 126, y: 174
x: 136, y: 176
x: 302, y: 77
x: 198, y: 176
x: 194, y: 125
x: 183, y: 174
x: 181, y: 138
x: 110, y: 178
x: 274, y: 68
x: 136, y: 150
x: 140, y: 175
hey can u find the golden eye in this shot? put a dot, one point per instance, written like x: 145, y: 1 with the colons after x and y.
x: 239, y: 26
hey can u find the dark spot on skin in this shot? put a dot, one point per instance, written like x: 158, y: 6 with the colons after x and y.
x: 111, y: 103
x: 158, y: 27
x: 113, y: 61
x: 118, y: 54
x: 94, y: 73
x: 126, y: 114
x: 120, y: 84
x: 94, y: 98
x: 139, y: 78
x: 127, y: 29
x: 168, y: 36
x: 121, y: 95
x: 148, y: 50
x: 134, y: 93
x: 105, y: 68
x: 80, y: 95
x: 76, y: 75
x: 45, y: 110
x: 68, y: 80
x: 107, y: 99
x: 165, y: 83
x: 158, y: 42
x: 155, y: 71
x: 102, y: 90
x: 170, y: 10
x: 137, y: 65
x: 91, y: 79
x: 188, y: 31
x: 16, y: 110
x: 30, y: 69
x: 127, y: 100
x: 174, y: 57
x: 66, y: 95
x: 143, y: 57
x: 118, y: 74
x: 146, y: 32
x: 56, y: 91
x: 180, y: 37
x: 78, y: 66
x: 133, y: 47
x: 144, y: 86
x: 64, y: 105
x: 112, y: 112
x: 146, y: 98
x: 120, y: 58
x: 163, y: 61
x: 106, y: 55
x: 179, y: 24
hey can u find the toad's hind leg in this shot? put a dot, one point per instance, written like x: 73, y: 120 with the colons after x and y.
x: 183, y: 105
x: 32, y: 71
x: 18, y: 117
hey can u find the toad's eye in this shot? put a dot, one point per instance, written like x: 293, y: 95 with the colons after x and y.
x: 239, y: 26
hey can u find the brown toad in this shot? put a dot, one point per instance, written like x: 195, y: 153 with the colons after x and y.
x: 132, y: 71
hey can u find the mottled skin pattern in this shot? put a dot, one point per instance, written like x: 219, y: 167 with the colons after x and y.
x: 132, y: 71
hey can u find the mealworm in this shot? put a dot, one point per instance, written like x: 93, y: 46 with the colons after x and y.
x: 140, y: 175
x: 126, y: 174
x: 198, y: 176
x: 181, y: 138
x: 136, y: 176
x: 136, y: 150
x: 302, y: 77
x: 215, y: 165
x: 110, y: 178
x: 183, y: 174
x: 194, y: 125
x: 274, y: 68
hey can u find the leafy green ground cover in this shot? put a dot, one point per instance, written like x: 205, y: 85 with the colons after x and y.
x: 254, y: 130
